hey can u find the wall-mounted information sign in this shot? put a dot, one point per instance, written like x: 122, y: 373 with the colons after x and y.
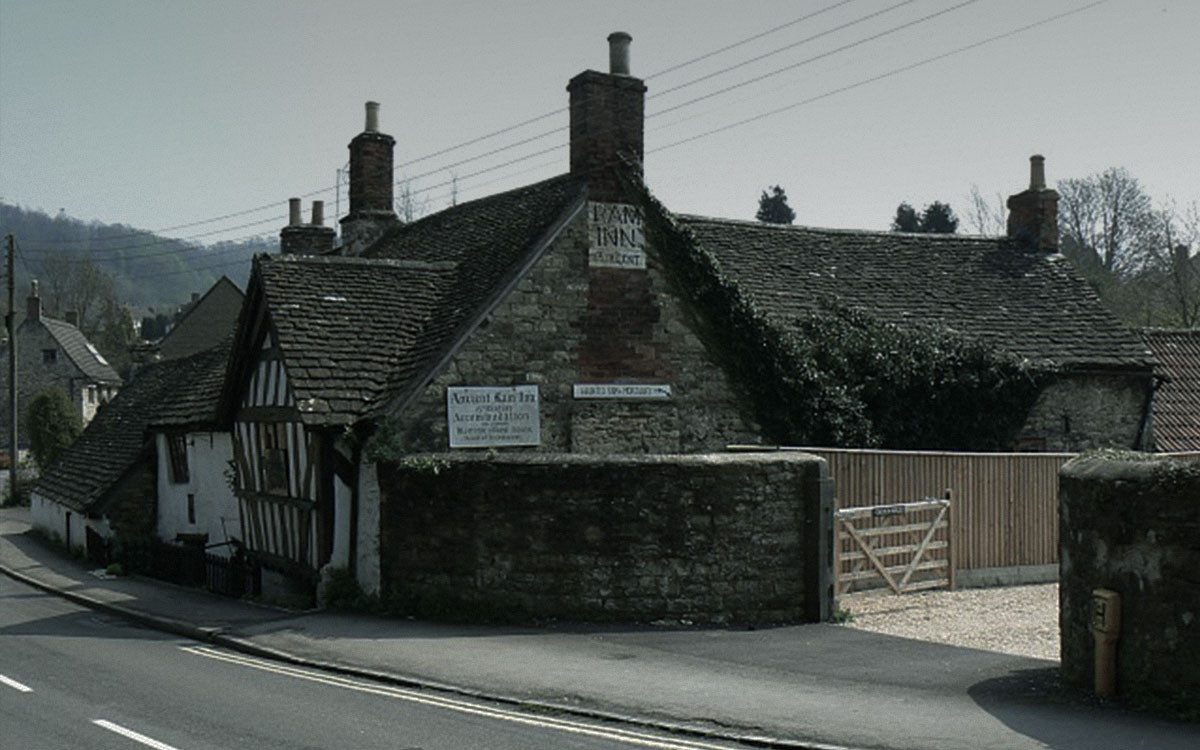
x: 484, y: 417
x: 622, y: 390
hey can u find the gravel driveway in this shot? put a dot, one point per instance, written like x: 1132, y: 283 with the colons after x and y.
x: 1019, y: 620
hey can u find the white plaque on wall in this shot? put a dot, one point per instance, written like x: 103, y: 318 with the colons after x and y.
x: 622, y: 390
x: 484, y: 417
x: 615, y: 234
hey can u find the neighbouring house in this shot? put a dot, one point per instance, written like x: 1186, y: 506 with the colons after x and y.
x: 543, y: 319
x: 206, y: 321
x: 55, y: 353
x: 155, y: 463
x: 104, y: 484
x: 1176, y: 418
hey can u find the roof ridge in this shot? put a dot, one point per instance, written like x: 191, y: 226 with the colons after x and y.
x: 772, y: 227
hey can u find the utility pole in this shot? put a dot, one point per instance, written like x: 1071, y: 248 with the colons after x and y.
x: 12, y: 369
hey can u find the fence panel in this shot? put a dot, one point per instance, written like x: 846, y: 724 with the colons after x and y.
x: 1005, y: 504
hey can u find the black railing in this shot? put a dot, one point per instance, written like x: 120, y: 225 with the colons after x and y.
x: 190, y: 565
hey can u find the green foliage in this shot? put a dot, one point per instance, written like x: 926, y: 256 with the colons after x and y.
x: 842, y: 616
x: 937, y: 218
x: 340, y: 592
x: 840, y: 377
x: 774, y: 208
x: 54, y: 423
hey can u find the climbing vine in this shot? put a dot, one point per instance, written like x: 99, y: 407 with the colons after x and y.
x: 838, y: 375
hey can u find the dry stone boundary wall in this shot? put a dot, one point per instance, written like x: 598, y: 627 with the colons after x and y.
x: 1132, y: 525
x: 701, y: 538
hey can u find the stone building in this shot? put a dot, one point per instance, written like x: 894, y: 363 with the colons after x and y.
x: 55, y: 353
x: 542, y: 319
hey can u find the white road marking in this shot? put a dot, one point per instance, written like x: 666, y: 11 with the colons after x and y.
x: 147, y: 741
x: 631, y: 737
x: 15, y: 685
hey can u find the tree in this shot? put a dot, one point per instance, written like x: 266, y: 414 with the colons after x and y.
x: 906, y: 219
x: 54, y: 423
x: 773, y: 208
x: 1103, y: 220
x: 937, y: 218
x: 986, y: 217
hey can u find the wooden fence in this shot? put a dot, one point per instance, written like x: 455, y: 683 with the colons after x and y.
x: 1005, y: 504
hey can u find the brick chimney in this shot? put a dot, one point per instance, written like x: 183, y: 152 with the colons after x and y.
x: 607, y: 122
x: 298, y: 238
x: 371, y: 197
x: 1033, y: 214
x: 33, y: 303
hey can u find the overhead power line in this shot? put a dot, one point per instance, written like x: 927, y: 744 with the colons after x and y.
x: 762, y: 115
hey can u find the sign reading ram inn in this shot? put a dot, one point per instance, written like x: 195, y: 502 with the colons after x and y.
x: 484, y: 417
x: 616, y: 238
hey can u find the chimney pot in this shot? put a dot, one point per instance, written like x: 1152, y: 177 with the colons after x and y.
x: 318, y: 213
x: 618, y: 53
x: 1037, y: 172
x: 294, y: 212
x: 372, y: 117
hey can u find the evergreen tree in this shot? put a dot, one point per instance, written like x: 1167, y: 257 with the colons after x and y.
x: 937, y: 218
x: 773, y: 208
x: 54, y: 423
x: 906, y: 219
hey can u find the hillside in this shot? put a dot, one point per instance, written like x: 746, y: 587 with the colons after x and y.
x: 150, y: 272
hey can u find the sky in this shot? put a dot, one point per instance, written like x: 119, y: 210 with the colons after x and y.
x: 200, y: 119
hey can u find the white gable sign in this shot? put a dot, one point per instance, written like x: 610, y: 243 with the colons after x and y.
x: 615, y: 238
x: 485, y: 417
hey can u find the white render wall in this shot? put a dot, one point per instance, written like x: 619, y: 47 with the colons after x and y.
x: 217, y: 511
x: 66, y: 526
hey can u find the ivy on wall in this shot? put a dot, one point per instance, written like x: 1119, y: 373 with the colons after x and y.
x: 839, y: 376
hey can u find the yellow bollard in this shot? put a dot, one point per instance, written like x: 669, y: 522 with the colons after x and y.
x: 1106, y: 628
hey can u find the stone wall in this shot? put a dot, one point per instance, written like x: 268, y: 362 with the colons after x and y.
x: 1079, y: 412
x: 565, y: 324
x: 1132, y: 524
x: 702, y: 539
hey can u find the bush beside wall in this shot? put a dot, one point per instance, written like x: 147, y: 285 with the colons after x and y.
x: 520, y: 536
x: 1132, y: 524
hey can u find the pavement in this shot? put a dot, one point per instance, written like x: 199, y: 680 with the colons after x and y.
x: 818, y: 686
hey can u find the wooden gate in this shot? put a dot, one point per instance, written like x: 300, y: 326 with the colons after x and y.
x: 906, y: 546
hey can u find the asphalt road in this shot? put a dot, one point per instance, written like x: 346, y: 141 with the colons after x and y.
x: 73, y: 678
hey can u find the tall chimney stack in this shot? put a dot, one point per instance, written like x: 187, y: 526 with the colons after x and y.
x: 33, y: 303
x: 298, y: 238
x: 1033, y: 214
x: 372, y: 208
x: 607, y: 122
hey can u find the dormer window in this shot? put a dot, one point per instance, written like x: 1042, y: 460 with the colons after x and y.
x: 49, y: 356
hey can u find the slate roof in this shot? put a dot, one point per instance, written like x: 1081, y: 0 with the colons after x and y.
x: 1177, y: 402
x: 116, y: 439
x: 358, y: 333
x: 207, y: 322
x: 1032, y: 304
x: 80, y: 351
x: 350, y: 328
x: 195, y: 403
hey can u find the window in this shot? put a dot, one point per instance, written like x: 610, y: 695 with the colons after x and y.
x: 49, y: 356
x: 177, y: 450
x: 274, y: 458
x: 91, y: 394
x: 191, y: 508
